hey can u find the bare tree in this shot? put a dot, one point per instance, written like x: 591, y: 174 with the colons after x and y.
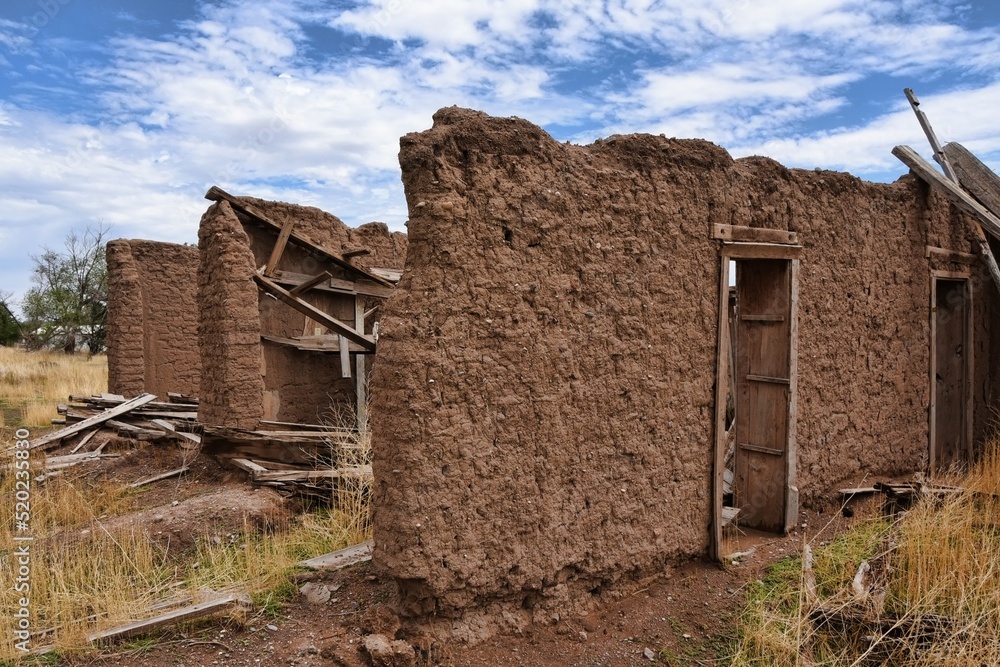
x: 68, y: 303
x: 10, y: 328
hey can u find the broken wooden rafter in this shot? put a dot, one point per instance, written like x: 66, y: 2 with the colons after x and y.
x: 325, y: 343
x: 217, y: 194
x: 123, y: 408
x: 974, y: 176
x: 308, y: 284
x: 279, y: 248
x: 314, y: 313
x: 335, y: 285
x: 943, y: 158
x: 360, y: 252
x: 952, y: 191
x: 925, y: 125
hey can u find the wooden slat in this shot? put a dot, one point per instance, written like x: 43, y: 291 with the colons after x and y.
x: 360, y: 252
x: 361, y: 472
x: 761, y: 251
x: 762, y: 450
x: 345, y: 358
x: 335, y: 285
x: 949, y: 255
x: 762, y: 318
x: 307, y: 285
x: 975, y: 176
x: 767, y: 378
x: 170, y: 618
x: 329, y: 343
x: 753, y: 234
x: 157, y: 478
x: 191, y: 438
x: 392, y: 275
x: 215, y: 194
x: 279, y: 248
x: 337, y: 560
x: 84, y: 440
x: 722, y: 388
x: 314, y: 313
x: 360, y: 381
x: 925, y: 125
x: 121, y: 409
x: 953, y: 192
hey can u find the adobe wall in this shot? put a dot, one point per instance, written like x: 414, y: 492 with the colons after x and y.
x: 543, y: 402
x: 152, y: 318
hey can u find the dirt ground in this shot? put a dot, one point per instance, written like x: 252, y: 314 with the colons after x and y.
x: 683, y: 616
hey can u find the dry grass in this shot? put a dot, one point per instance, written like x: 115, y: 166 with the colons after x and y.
x: 938, y: 567
x: 33, y: 383
x: 86, y: 579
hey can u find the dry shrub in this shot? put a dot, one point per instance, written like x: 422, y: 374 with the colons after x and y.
x: 938, y: 567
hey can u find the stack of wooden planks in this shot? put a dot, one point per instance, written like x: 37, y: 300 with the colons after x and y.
x: 301, y: 459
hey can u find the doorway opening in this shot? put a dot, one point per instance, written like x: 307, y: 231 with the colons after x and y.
x: 950, y: 371
x: 756, y: 394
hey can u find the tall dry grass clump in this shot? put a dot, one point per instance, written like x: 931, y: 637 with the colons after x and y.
x: 350, y: 446
x: 33, y: 383
x: 921, y: 590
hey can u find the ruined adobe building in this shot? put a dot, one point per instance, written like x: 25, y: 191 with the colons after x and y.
x: 194, y: 322
x: 152, y: 335
x: 279, y: 288
x: 554, y: 368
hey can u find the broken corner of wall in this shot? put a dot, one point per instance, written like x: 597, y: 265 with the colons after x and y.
x: 232, y: 387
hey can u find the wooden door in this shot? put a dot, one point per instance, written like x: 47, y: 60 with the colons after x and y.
x: 763, y: 390
x: 950, y: 350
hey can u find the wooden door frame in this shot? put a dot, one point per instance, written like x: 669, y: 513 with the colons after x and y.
x: 741, y: 251
x: 966, y: 278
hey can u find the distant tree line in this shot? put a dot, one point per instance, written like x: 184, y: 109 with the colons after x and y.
x: 66, y: 307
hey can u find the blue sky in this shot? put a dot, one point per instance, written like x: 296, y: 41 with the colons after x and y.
x: 125, y: 112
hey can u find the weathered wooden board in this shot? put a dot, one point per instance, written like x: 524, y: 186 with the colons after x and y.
x: 343, y: 558
x: 51, y: 438
x: 753, y: 234
x: 975, y: 176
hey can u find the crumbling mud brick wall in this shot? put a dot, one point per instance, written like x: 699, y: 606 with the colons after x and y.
x: 543, y: 402
x: 152, y: 318
x: 229, y: 333
x: 253, y: 378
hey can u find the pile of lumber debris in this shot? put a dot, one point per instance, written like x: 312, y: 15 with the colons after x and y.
x: 294, y: 459
x: 301, y: 459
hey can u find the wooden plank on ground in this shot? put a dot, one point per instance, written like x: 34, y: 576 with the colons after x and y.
x: 753, y: 234
x: 157, y: 478
x: 57, y: 436
x: 84, y: 440
x: 314, y: 313
x: 359, y: 472
x: 148, y: 625
x: 191, y: 438
x: 338, y: 560
x: 958, y: 196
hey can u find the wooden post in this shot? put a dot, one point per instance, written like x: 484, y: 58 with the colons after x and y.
x: 360, y: 380
x: 721, y: 393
